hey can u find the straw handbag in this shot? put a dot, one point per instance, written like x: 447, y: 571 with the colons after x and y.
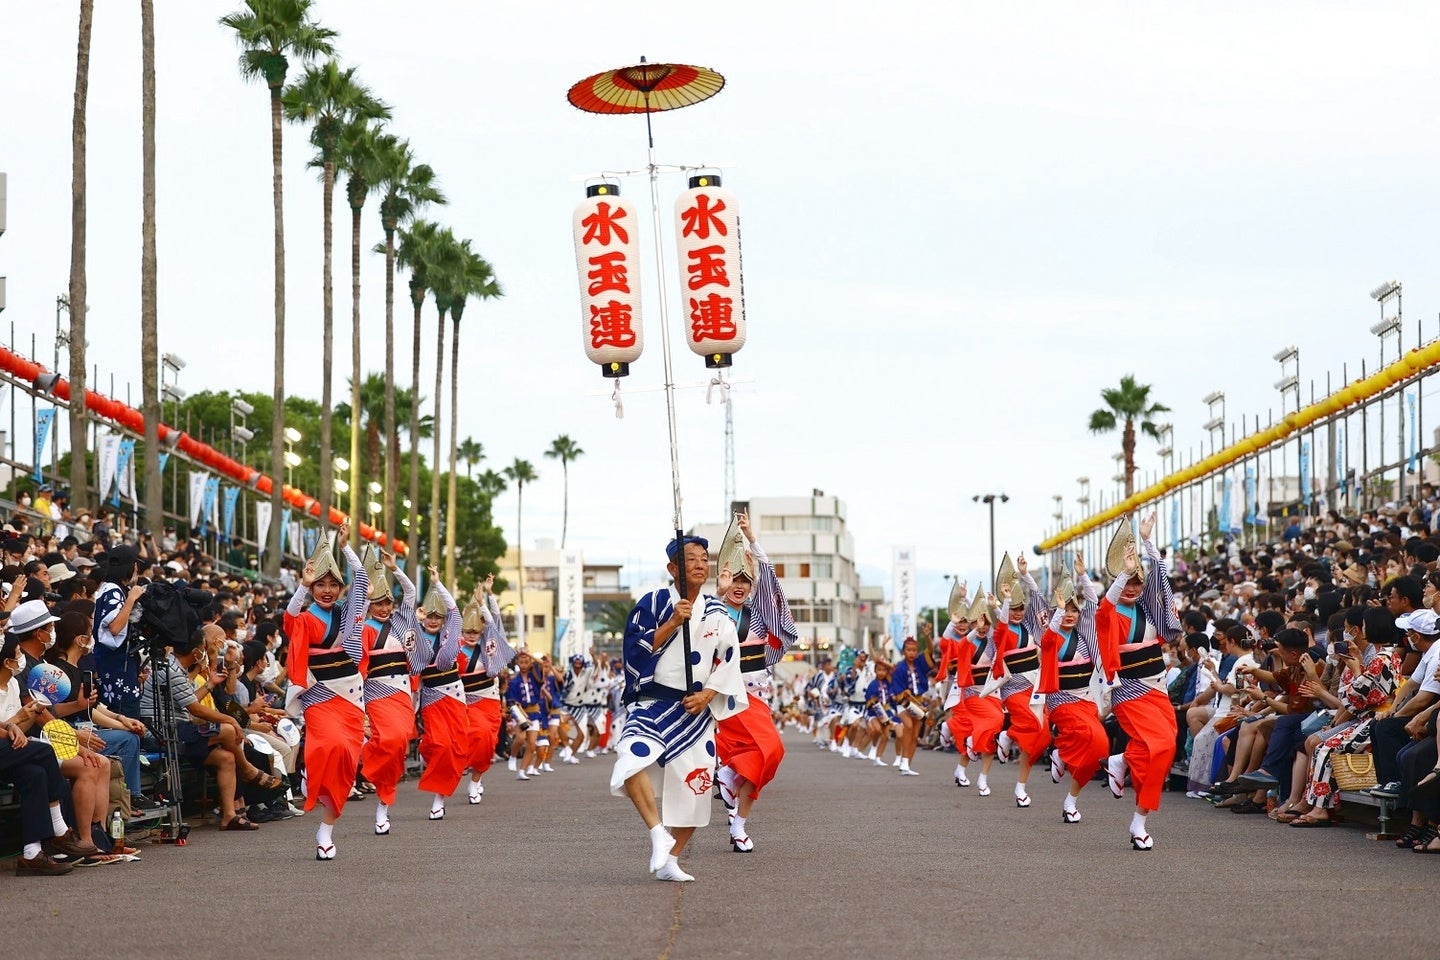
x: 1353, y: 771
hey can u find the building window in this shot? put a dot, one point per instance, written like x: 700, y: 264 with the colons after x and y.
x: 823, y: 524
x: 804, y: 570
x: 537, y: 621
x: 779, y: 569
x: 821, y: 568
x: 772, y: 524
x: 822, y: 615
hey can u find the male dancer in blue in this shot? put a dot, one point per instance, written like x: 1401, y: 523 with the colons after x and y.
x: 668, y: 724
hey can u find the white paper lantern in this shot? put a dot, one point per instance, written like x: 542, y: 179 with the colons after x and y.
x: 607, y: 257
x: 712, y: 292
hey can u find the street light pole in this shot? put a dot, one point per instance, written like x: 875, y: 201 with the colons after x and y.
x: 989, y: 499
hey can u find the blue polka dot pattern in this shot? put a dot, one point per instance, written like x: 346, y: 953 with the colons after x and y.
x: 732, y: 703
x: 729, y: 653
x: 695, y: 657
x: 710, y: 747
x: 640, y: 748
x: 697, y: 686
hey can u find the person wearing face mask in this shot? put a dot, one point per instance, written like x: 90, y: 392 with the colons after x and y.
x: 747, y: 743
x: 326, y: 648
x: 108, y: 733
x: 1068, y: 652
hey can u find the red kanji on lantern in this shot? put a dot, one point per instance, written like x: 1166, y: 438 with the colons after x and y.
x: 610, y: 273
x: 607, y: 259
x: 712, y: 318
x: 707, y: 234
x: 605, y: 224
x: 610, y: 325
x: 707, y: 267
x: 702, y: 217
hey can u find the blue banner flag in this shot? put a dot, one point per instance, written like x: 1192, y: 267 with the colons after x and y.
x: 43, y: 420
x: 1305, y: 473
x: 1414, y: 435
x: 122, y: 463
x: 227, y: 511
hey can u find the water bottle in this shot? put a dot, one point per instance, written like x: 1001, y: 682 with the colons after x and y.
x: 117, y: 828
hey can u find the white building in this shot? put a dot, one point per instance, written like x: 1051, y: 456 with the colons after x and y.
x: 814, y: 557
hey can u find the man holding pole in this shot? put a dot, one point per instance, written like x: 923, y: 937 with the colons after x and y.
x: 682, y: 673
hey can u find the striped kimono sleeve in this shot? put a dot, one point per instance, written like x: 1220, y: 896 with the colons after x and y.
x: 772, y: 609
x: 357, y: 602
x: 1158, y: 600
x: 498, y: 652
x: 449, y: 648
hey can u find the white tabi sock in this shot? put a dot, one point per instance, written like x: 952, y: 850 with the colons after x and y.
x: 1020, y: 791
x: 737, y: 827
x: 1137, y: 825
x: 437, y: 804
x: 661, y: 843
x: 323, y: 834
x: 57, y: 822
x: 959, y: 770
x: 980, y: 782
x: 382, y: 814
x: 871, y: 754
x: 1069, y: 804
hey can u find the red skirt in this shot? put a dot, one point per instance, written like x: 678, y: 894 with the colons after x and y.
x: 1029, y: 734
x: 986, y: 719
x: 333, y: 732
x: 444, y: 745
x: 1080, y: 738
x: 749, y: 743
x: 392, y: 727
x: 484, y: 715
x: 961, y: 726
x: 1150, y: 722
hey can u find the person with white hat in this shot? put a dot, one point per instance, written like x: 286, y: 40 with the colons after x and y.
x: 1017, y: 663
x: 484, y: 653
x: 326, y: 649
x: 445, y: 727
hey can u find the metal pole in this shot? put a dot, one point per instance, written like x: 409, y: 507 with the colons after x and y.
x: 992, y: 538
x: 669, y: 385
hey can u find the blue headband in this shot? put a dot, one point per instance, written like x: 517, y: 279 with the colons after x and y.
x: 672, y: 550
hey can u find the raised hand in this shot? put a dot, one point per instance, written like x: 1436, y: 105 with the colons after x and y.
x: 1022, y: 564
x: 1132, y: 560
x: 342, y: 536
x: 1147, y: 526
x: 1079, y: 564
x: 725, y: 579
x: 307, y: 575
x: 388, y: 561
x: 742, y: 519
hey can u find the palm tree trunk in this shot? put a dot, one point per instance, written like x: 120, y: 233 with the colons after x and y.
x: 435, y: 459
x: 392, y: 464
x: 149, y: 320
x: 1127, y: 446
x: 413, y: 540
x: 372, y: 448
x: 355, y: 375
x: 277, y: 418
x: 451, y: 501
x: 327, y: 451
x: 78, y: 280
x: 565, y: 514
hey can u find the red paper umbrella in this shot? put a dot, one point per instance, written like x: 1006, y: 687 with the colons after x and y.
x: 645, y: 88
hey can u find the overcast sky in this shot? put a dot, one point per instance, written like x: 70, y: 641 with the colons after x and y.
x: 962, y: 221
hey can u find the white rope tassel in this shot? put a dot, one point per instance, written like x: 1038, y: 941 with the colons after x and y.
x: 723, y: 384
x: 619, y: 404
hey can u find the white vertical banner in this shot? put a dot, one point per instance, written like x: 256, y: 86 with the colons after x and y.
x: 903, y: 600
x: 1262, y: 491
x: 109, y: 459
x: 297, y: 541
x: 126, y: 480
x: 570, y: 603
x: 197, y: 495
x: 262, y: 522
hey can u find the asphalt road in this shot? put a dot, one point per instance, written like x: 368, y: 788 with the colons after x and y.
x: 851, y: 860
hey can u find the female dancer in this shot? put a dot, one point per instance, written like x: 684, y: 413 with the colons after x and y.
x: 484, y: 653
x: 391, y: 657
x: 445, y: 740
x: 326, y: 647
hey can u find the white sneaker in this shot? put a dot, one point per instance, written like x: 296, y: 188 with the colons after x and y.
x: 511, y: 764
x: 547, y: 768
x: 880, y: 763
x: 572, y: 760
x: 520, y: 775
x: 671, y: 871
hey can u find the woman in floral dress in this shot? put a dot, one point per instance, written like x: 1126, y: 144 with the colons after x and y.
x: 1367, y: 683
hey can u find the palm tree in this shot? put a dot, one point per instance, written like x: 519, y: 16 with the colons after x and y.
x: 358, y: 154
x: 149, y: 319
x: 269, y: 33
x: 491, y: 484
x: 445, y: 270
x: 407, y: 186
x: 520, y: 473
x: 329, y: 97
x: 414, y: 252
x: 1127, y: 404
x: 564, y: 449
x: 78, y: 279
x: 473, y: 277
x: 472, y: 452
